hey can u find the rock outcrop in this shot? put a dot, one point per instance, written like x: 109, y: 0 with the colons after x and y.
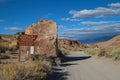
x: 46, y: 43
x: 70, y: 45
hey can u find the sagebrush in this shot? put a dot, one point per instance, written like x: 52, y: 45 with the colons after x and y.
x: 25, y: 71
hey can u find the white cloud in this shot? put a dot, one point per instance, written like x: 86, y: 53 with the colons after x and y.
x: 61, y: 27
x: 117, y: 5
x: 2, y: 20
x: 91, y: 33
x: 71, y: 19
x: 13, y: 28
x: 97, y: 12
x: 91, y: 23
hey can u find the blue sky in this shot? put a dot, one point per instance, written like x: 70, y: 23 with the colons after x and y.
x: 76, y: 19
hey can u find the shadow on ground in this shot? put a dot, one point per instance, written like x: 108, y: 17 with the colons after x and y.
x: 58, y: 72
x: 67, y: 64
x: 70, y: 59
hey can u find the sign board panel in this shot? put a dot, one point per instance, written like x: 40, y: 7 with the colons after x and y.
x: 31, y: 49
x: 25, y: 43
x: 27, y: 38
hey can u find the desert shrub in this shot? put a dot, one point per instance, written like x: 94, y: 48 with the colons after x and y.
x: 102, y: 52
x: 13, y: 48
x: 106, y: 52
x: 25, y: 71
x: 4, y: 57
x: 3, y: 49
x: 116, y: 54
x: 92, y: 51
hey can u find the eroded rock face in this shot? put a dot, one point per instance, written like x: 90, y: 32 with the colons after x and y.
x: 46, y: 42
x: 71, y: 45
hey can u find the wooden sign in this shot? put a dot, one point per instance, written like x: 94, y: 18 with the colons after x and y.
x: 25, y: 43
x: 27, y: 38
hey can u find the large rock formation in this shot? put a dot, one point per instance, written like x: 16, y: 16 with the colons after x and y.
x: 46, y: 43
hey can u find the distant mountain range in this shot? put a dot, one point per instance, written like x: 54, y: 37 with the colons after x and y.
x: 113, y: 42
x: 97, y: 39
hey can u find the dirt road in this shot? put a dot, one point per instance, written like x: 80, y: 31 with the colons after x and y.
x: 79, y: 66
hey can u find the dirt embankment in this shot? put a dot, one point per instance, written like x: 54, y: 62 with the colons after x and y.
x: 70, y: 45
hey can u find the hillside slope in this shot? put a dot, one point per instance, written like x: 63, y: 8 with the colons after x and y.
x: 7, y: 42
x: 114, y: 42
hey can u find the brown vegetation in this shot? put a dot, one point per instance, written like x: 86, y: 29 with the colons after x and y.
x: 30, y: 70
x: 7, y: 43
x: 109, y: 49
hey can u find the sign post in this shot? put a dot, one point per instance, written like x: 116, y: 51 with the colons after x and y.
x: 26, y: 40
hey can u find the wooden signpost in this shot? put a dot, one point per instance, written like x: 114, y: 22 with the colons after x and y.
x: 26, y: 40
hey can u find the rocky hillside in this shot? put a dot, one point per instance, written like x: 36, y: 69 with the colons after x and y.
x: 114, y: 42
x: 70, y: 45
x: 7, y: 41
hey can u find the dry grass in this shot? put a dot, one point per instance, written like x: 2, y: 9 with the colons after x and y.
x: 92, y: 51
x: 116, y: 53
x: 25, y: 71
x: 105, y: 52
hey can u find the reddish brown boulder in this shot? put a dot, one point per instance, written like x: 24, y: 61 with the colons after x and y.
x: 46, y: 43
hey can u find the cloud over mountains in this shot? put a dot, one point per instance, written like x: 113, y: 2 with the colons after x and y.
x: 112, y: 10
x: 91, y: 33
x: 97, y: 23
x: 93, y: 23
